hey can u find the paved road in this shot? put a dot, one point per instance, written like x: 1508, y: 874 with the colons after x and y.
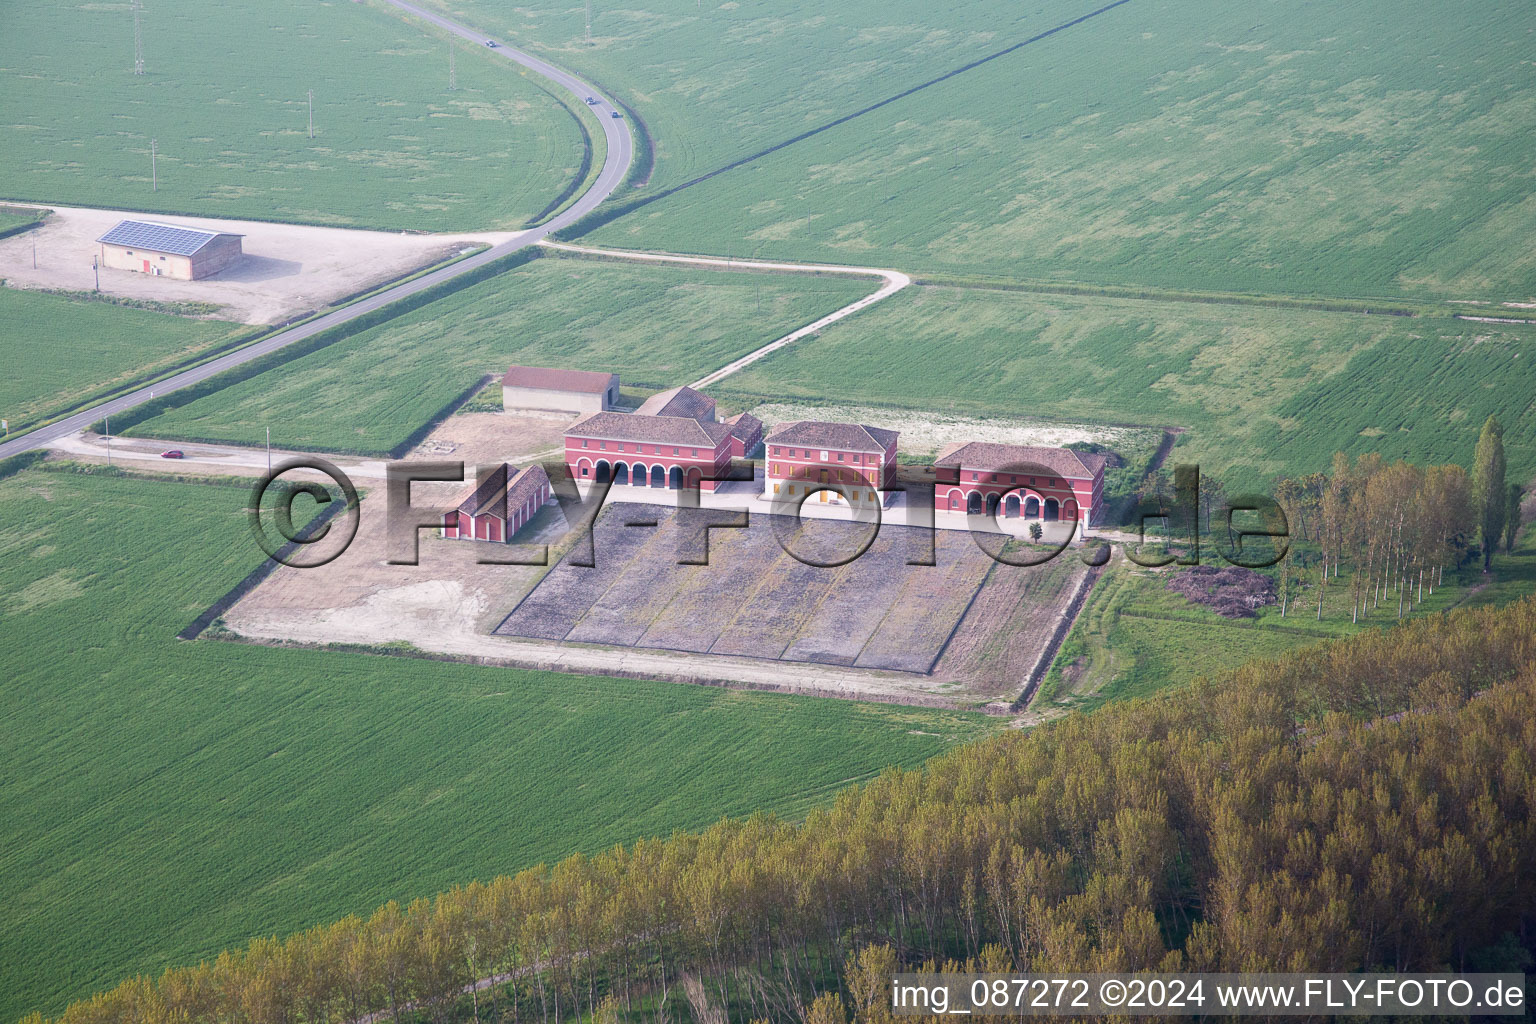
x: 615, y: 166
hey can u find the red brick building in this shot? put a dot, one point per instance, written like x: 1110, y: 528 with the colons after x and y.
x: 1017, y: 481
x: 648, y: 451
x: 804, y: 456
x: 496, y: 509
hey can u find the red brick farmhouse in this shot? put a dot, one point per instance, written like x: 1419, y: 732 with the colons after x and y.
x: 1016, y: 481
x: 672, y: 441
x: 805, y: 456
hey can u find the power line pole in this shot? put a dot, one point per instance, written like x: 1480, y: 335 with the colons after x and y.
x: 154, y: 174
x: 269, y: 451
x: 311, y: 113
x: 96, y: 268
x: 453, y: 80
x: 138, y: 40
x: 589, y: 22
x: 107, y: 422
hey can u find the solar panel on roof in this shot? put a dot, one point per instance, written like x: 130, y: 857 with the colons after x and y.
x: 165, y: 238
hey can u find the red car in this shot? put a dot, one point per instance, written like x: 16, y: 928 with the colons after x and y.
x: 174, y: 453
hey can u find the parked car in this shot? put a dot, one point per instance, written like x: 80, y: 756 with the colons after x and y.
x: 174, y: 453
x: 491, y: 43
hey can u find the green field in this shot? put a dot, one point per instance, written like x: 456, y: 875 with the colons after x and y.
x: 165, y: 799
x: 1259, y: 391
x: 73, y: 348
x: 656, y: 326
x: 224, y: 94
x: 1365, y: 148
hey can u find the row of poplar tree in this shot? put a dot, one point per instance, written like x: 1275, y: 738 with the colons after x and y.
x: 1358, y: 805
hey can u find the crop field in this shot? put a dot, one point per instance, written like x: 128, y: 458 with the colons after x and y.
x: 653, y: 326
x: 1259, y: 391
x: 1369, y: 149
x: 72, y: 348
x: 224, y: 95
x: 165, y: 799
x: 716, y: 84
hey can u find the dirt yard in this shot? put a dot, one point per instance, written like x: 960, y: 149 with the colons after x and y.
x: 287, y: 270
x: 924, y: 434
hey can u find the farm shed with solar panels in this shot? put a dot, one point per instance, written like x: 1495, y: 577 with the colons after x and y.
x: 168, y: 250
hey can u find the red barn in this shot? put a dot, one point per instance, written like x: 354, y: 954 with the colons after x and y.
x: 978, y: 478
x: 803, y: 456
x: 648, y: 451
x: 496, y: 509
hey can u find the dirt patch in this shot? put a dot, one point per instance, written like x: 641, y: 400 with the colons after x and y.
x: 287, y: 270
x: 924, y: 434
x: 998, y: 642
x: 485, y: 437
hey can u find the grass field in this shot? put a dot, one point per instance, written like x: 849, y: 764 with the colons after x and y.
x: 165, y: 799
x: 61, y: 349
x: 655, y: 326
x: 1371, y: 148
x: 1259, y: 391
x: 224, y: 94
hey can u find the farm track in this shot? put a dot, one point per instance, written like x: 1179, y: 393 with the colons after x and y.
x: 616, y: 163
x: 895, y: 281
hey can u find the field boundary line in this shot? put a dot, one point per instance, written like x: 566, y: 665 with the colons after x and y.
x: 894, y: 280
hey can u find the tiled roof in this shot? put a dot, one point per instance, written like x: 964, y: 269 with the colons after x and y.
x: 679, y: 430
x: 167, y: 238
x: 849, y: 437
x: 683, y: 401
x: 527, y: 481
x: 744, y: 425
x: 590, y: 382
x: 485, y: 498
x: 987, y: 457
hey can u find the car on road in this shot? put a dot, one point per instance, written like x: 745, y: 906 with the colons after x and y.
x: 174, y: 453
x: 615, y: 114
x: 591, y: 101
x: 491, y: 43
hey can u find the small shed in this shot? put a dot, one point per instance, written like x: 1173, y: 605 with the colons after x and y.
x: 168, y: 250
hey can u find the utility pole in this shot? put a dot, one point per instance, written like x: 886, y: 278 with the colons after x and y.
x: 154, y: 175
x: 107, y: 422
x: 269, y: 451
x: 96, y: 268
x: 589, y: 22
x: 138, y: 40
x: 312, y: 111
x: 453, y: 80
x: 34, y: 254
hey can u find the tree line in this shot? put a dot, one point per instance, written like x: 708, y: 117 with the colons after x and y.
x: 1361, y: 804
x: 1395, y: 527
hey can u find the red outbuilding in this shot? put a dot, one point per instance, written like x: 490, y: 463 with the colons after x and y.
x: 495, y: 509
